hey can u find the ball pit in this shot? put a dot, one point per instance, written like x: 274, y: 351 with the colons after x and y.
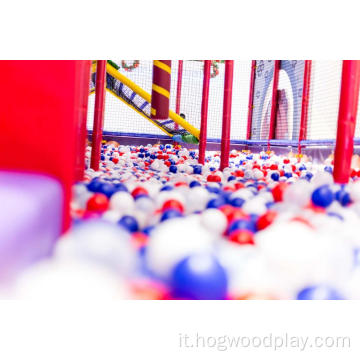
x: 166, y: 227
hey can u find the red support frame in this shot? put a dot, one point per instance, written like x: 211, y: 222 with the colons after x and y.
x: 274, y: 101
x: 349, y: 97
x: 305, y: 103
x: 204, y: 111
x: 39, y: 128
x: 83, y: 79
x: 99, y: 110
x: 226, y: 124
x: 251, y: 99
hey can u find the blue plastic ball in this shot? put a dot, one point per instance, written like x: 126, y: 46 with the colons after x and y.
x: 216, y: 203
x: 199, y: 277
x: 321, y: 292
x: 231, y: 177
x: 322, y: 196
x: 170, y: 214
x: 107, y: 189
x: 194, y: 183
x: 197, y: 169
x: 328, y: 169
x: 120, y: 187
x: 275, y: 176
x: 237, y: 202
x: 129, y: 223
x: 213, y: 189
x: 166, y: 188
x: 343, y: 197
x: 94, y: 185
x: 173, y: 169
x: 241, y: 224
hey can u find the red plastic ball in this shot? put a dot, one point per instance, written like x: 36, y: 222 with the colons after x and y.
x: 173, y: 204
x: 242, y: 237
x: 214, y: 178
x: 278, y: 191
x: 239, y: 173
x: 266, y: 219
x: 233, y: 213
x: 98, y: 202
x: 139, y: 191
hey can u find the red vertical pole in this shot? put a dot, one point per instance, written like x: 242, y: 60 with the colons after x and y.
x: 251, y: 98
x: 178, y: 87
x: 305, y: 103
x: 98, y: 113
x: 83, y: 79
x: 204, y: 111
x: 226, y: 125
x: 160, y: 95
x: 274, y: 101
x: 349, y: 97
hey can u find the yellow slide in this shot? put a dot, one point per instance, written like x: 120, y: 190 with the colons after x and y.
x: 140, y: 101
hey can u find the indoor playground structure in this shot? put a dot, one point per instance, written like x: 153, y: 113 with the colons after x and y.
x: 180, y: 179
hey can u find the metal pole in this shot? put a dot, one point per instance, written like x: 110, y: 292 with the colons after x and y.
x: 305, y: 103
x: 274, y: 101
x: 98, y: 113
x: 204, y: 111
x: 226, y: 125
x: 349, y: 97
x: 178, y: 90
x: 251, y: 98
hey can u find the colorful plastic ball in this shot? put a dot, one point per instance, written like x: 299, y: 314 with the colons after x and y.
x: 242, y: 237
x: 320, y: 292
x: 122, y: 201
x: 173, y: 204
x: 98, y: 203
x: 343, y: 197
x: 266, y: 219
x: 120, y: 187
x: 278, y: 191
x: 322, y: 196
x: 194, y: 183
x: 197, y: 169
x: 241, y: 224
x: 173, y: 169
x: 214, y: 221
x: 139, y: 191
x: 107, y: 189
x: 170, y: 214
x: 166, y: 188
x: 129, y: 223
x: 94, y: 185
x: 199, y: 277
x: 237, y: 202
x: 216, y: 203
